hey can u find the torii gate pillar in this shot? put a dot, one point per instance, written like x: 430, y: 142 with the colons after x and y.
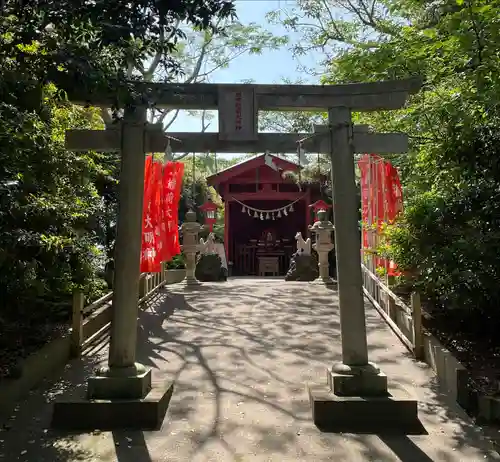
x: 122, y: 394
x: 345, y: 209
x: 121, y: 363
x: 357, y: 399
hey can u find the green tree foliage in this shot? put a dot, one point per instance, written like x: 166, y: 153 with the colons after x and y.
x: 48, y: 209
x: 447, y: 238
x: 92, y: 44
x: 195, y: 190
x: 55, y: 205
x: 49, y: 197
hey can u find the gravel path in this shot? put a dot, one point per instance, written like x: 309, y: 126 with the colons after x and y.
x: 241, y: 354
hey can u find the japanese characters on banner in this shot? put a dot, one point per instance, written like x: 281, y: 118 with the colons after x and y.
x: 160, y: 236
x: 381, y: 200
x: 172, y: 183
x: 150, y: 219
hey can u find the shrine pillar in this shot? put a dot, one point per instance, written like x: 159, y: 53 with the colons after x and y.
x: 359, y: 399
x: 350, y: 281
x: 227, y: 206
x: 307, y: 203
x: 121, y: 395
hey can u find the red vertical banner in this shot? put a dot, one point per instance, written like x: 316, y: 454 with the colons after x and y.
x: 156, y: 213
x: 150, y: 258
x: 394, y: 192
x: 394, y: 204
x: 381, y: 200
x: 147, y: 248
x: 172, y: 184
x: 379, y: 215
x: 160, y: 221
x: 163, y: 249
x: 364, y: 165
x: 179, y: 172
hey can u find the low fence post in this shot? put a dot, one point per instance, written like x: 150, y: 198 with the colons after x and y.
x: 391, y: 303
x: 142, y: 286
x: 77, y: 324
x: 416, y: 313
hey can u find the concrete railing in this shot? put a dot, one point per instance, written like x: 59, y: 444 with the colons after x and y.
x: 92, y: 321
x: 404, y: 320
x: 89, y: 324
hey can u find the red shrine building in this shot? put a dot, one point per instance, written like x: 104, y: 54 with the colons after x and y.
x: 263, y: 212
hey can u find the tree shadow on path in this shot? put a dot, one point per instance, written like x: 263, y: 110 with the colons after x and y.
x: 241, y: 354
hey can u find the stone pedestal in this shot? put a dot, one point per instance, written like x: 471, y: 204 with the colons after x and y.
x: 190, y: 246
x: 123, y: 384
x: 209, y: 268
x: 323, y: 230
x: 358, y: 400
x: 190, y: 269
x: 363, y: 405
x: 83, y: 415
x: 108, y: 385
x: 324, y: 267
x: 302, y: 268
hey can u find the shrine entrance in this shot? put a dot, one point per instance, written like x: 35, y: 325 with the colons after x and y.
x: 263, y: 212
x: 355, y: 384
x: 252, y: 240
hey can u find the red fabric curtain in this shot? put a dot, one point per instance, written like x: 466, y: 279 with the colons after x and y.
x: 394, y: 192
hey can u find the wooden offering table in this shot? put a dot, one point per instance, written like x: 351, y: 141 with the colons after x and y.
x: 266, y: 256
x: 268, y: 264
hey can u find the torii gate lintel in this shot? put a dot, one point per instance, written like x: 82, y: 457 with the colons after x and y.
x: 372, y: 96
x: 283, y: 143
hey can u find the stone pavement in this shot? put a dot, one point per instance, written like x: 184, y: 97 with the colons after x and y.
x: 241, y: 354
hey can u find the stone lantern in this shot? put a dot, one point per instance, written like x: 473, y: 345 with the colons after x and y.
x: 209, y: 210
x: 190, y: 229
x: 323, y: 228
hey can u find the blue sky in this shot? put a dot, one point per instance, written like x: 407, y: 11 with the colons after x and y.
x: 268, y: 67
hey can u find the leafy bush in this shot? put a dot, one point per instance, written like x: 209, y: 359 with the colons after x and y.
x: 449, y: 236
x: 219, y: 232
x: 192, y: 197
x: 47, y: 243
x: 176, y: 263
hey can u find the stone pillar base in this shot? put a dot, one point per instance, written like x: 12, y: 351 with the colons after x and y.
x: 362, y: 403
x: 357, y: 385
x: 115, y: 402
x: 327, y: 281
x: 110, y: 386
x: 191, y: 281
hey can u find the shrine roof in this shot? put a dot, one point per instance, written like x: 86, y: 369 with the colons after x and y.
x: 248, y: 164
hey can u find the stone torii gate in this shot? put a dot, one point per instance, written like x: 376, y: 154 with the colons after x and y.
x: 238, y: 107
